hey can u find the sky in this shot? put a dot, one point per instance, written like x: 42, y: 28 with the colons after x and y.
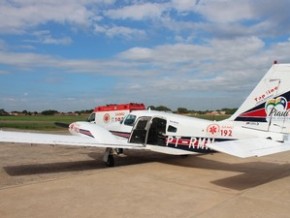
x: 77, y: 54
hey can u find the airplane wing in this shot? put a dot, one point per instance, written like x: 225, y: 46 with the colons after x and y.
x: 251, y: 147
x: 105, y: 140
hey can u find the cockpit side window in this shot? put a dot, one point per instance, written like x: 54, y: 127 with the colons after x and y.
x: 91, y: 118
x: 171, y: 129
x: 130, y: 120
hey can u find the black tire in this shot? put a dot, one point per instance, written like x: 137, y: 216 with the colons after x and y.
x: 184, y: 155
x: 110, y: 162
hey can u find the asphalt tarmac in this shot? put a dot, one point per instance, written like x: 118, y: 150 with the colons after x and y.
x: 45, y: 181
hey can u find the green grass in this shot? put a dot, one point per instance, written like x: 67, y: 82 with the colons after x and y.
x: 46, y: 123
x: 39, y: 122
x: 213, y: 117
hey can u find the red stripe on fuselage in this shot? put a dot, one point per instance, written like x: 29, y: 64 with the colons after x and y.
x: 121, y: 134
x: 259, y: 113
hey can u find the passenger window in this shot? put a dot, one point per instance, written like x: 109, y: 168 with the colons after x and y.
x: 171, y: 129
x: 130, y: 120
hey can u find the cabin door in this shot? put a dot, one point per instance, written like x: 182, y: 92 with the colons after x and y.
x: 149, y: 130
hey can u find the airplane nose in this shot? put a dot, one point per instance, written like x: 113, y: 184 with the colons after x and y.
x: 73, y: 128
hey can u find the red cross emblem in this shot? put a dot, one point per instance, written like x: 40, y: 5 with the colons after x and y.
x: 213, y: 129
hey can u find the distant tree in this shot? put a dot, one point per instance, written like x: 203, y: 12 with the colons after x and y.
x: 26, y: 113
x: 3, y: 112
x: 160, y: 108
x: 49, y: 112
x: 229, y: 110
x: 88, y: 111
x: 182, y: 110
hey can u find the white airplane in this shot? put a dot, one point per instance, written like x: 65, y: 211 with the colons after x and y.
x: 259, y: 127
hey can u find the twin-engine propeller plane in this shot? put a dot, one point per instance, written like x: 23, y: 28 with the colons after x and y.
x: 261, y: 126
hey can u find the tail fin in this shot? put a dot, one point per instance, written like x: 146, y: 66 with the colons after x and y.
x: 270, y: 100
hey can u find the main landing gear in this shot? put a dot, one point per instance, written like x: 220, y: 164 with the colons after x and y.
x: 109, y: 156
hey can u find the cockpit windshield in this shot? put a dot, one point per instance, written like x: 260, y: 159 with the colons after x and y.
x: 129, y: 120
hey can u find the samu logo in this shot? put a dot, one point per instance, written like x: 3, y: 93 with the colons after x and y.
x: 276, y: 108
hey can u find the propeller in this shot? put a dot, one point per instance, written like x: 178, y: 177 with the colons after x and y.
x: 63, y: 125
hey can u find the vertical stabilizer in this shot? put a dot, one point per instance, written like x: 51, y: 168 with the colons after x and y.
x: 270, y: 100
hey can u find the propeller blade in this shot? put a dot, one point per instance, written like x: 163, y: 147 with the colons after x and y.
x: 63, y: 125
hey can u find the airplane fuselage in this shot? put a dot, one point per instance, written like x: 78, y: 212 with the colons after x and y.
x: 183, y: 132
x: 171, y: 130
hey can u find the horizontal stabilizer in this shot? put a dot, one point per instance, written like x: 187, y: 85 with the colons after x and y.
x: 250, y: 147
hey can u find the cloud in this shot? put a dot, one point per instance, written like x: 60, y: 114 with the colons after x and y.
x: 162, y: 73
x: 120, y: 31
x: 202, y: 60
x: 225, y: 18
x: 223, y: 11
x: 3, y: 45
x: 137, y: 11
x: 18, y: 16
x: 221, y: 18
x: 45, y: 37
x: 26, y: 60
x: 3, y: 72
x: 171, y: 47
x: 214, y: 65
x: 137, y: 53
x: 184, y: 5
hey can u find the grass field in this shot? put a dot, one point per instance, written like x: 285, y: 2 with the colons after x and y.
x: 46, y: 123
x: 213, y: 117
x: 38, y: 122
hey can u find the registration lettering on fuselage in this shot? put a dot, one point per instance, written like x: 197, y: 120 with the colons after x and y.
x: 189, y: 143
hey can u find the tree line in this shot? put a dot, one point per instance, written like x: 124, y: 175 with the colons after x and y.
x: 44, y: 112
x: 180, y: 110
x: 183, y: 110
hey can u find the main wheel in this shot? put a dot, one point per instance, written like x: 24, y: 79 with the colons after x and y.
x: 110, y: 162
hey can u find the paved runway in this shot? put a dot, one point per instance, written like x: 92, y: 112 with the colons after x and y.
x: 43, y: 181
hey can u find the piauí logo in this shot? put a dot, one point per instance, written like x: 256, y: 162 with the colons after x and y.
x: 276, y: 108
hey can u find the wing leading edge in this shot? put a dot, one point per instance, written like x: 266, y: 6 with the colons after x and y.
x: 66, y: 140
